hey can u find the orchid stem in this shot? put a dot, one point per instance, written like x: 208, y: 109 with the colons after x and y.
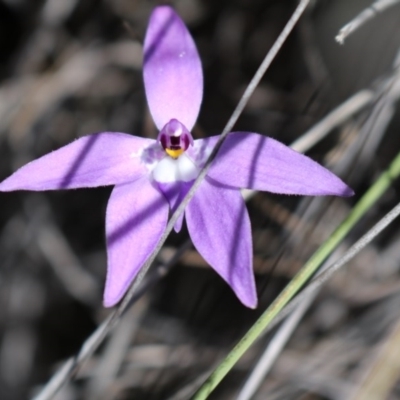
x: 359, y: 210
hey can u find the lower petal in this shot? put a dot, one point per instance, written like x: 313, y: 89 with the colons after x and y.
x: 219, y: 226
x: 137, y: 214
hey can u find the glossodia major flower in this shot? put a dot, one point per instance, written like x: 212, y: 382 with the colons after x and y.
x: 152, y: 176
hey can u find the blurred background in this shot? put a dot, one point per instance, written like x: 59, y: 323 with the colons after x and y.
x: 71, y: 68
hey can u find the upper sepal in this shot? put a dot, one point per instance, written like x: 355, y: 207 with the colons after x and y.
x: 172, y: 72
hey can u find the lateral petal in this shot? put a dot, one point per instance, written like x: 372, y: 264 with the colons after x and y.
x: 219, y: 226
x: 172, y: 72
x: 136, y: 217
x: 106, y: 158
x: 250, y: 160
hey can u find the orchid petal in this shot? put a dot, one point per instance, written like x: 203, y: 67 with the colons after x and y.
x: 136, y: 217
x: 96, y: 160
x: 250, y: 160
x: 219, y: 226
x: 172, y: 70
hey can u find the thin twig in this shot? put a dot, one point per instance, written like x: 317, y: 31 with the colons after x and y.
x: 377, y: 7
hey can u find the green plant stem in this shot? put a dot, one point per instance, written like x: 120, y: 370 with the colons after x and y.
x: 359, y: 210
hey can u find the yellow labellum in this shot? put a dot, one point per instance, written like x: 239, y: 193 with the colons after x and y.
x: 174, y: 153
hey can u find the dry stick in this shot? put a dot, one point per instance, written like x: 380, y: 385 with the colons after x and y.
x: 71, y: 365
x: 377, y: 7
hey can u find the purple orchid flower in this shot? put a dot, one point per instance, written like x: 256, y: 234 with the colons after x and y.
x: 152, y: 176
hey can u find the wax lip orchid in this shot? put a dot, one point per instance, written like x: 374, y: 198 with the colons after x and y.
x: 152, y: 176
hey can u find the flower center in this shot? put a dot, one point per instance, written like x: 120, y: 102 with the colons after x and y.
x: 177, y: 166
x: 175, y: 138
